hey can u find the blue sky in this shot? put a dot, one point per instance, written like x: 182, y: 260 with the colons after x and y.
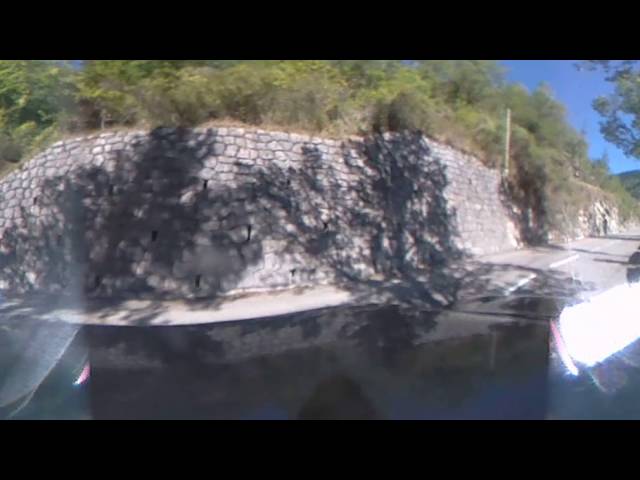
x: 576, y: 90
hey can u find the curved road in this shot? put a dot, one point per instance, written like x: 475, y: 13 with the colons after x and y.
x: 599, y: 263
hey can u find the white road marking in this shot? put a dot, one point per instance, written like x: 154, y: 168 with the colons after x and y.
x: 559, y: 263
x: 521, y: 283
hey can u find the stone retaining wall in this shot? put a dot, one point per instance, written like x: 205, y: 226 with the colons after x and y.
x: 175, y: 213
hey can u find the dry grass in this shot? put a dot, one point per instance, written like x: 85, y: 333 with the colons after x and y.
x: 7, y: 167
x: 218, y: 123
x: 271, y: 127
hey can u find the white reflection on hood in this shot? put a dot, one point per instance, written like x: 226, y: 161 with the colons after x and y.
x: 605, y: 324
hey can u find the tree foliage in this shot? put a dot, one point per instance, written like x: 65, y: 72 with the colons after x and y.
x: 32, y: 96
x: 620, y: 110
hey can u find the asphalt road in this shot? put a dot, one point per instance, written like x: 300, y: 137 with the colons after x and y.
x: 597, y: 263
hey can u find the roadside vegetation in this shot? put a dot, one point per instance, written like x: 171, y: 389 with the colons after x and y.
x: 631, y: 181
x: 461, y: 102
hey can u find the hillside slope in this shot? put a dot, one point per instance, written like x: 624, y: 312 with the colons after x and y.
x: 631, y: 181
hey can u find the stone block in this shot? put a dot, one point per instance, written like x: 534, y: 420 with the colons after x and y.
x: 231, y: 150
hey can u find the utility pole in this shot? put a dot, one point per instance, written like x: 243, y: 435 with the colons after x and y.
x: 507, y: 141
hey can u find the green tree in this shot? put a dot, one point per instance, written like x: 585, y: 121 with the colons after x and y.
x: 620, y: 110
x: 463, y: 81
x: 117, y: 91
x: 34, y: 95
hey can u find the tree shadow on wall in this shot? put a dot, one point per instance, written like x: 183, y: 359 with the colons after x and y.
x: 146, y: 223
x: 368, y: 222
x: 132, y: 226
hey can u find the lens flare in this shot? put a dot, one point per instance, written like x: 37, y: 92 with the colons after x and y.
x: 602, y: 326
x: 562, y: 350
x: 84, y: 375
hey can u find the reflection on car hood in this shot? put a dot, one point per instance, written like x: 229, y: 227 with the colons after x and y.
x: 41, y: 345
x: 486, y: 358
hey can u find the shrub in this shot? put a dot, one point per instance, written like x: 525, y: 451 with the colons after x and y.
x: 10, y: 150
